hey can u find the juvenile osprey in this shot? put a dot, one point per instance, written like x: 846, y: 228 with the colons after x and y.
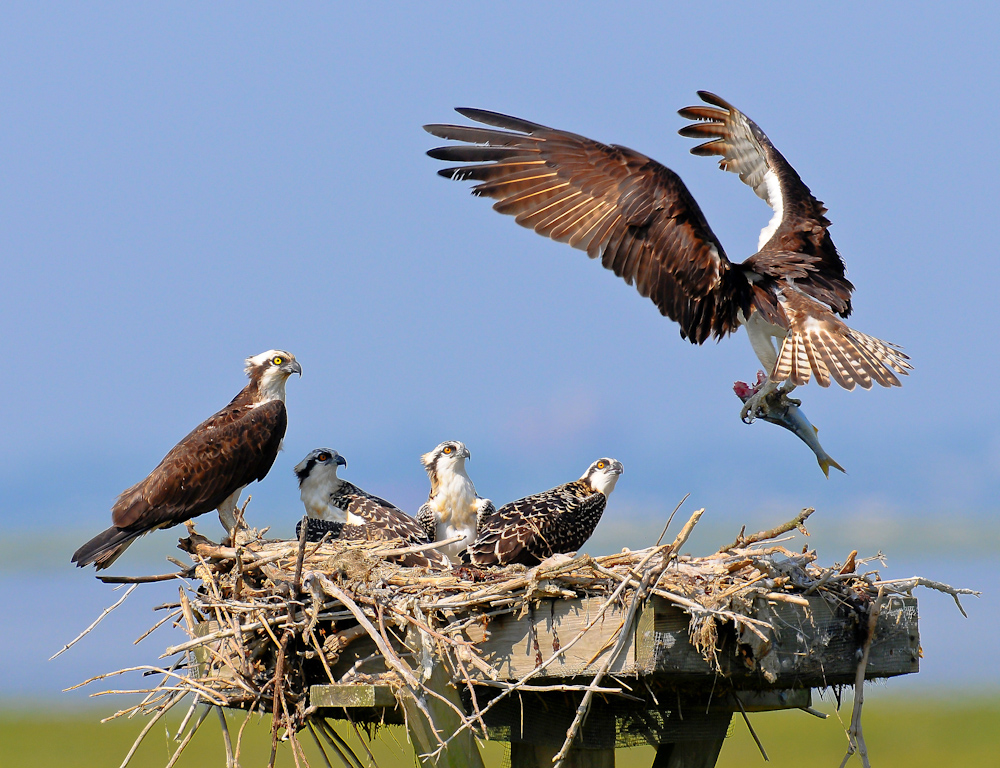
x: 453, y: 508
x: 640, y: 220
x: 536, y: 527
x: 207, y: 469
x: 345, y: 511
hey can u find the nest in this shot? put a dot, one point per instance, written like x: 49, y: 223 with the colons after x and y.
x: 268, y: 619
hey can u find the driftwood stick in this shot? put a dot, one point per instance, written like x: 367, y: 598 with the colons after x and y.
x: 685, y: 533
x: 279, y: 673
x: 230, y: 760
x: 856, y: 737
x: 97, y: 621
x: 303, y: 537
x: 906, y: 586
x: 797, y: 522
x: 760, y: 744
x: 156, y: 626
x: 160, y: 712
x: 185, y: 574
x: 188, y: 737
x: 418, y: 547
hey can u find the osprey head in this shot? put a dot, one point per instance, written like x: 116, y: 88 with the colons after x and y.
x: 270, y: 370
x: 603, y: 474
x: 317, y: 474
x: 451, y: 454
x: 321, y: 462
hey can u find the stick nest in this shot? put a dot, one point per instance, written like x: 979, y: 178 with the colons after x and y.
x: 268, y: 619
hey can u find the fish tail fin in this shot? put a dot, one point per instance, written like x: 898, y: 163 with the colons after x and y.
x: 825, y: 462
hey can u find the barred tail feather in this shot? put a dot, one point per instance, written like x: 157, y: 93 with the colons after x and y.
x: 847, y: 356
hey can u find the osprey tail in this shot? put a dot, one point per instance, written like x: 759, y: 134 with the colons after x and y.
x: 105, y: 547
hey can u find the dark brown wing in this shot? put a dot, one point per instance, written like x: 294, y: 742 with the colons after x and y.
x: 388, y: 520
x: 610, y: 201
x: 798, y: 237
x: 316, y: 529
x: 224, y: 453
x: 530, y: 529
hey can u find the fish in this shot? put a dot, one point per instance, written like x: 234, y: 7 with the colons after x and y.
x: 786, y: 413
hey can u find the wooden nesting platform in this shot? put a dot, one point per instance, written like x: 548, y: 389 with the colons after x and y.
x: 816, y: 643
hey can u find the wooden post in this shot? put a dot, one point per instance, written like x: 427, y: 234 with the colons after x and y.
x: 524, y: 755
x: 688, y: 754
x: 462, y: 752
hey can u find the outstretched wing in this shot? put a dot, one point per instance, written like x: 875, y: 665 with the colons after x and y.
x: 610, y: 201
x: 799, y: 225
x: 228, y: 451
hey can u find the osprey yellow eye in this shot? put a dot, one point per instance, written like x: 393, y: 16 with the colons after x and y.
x: 600, y: 465
x: 447, y: 449
x: 278, y: 360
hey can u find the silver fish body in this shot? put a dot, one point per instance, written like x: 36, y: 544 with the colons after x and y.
x: 778, y: 409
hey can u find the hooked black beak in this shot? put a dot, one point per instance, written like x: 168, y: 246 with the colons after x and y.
x: 294, y: 367
x: 341, y: 461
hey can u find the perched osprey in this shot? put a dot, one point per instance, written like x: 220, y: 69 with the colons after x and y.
x: 347, y: 512
x: 207, y: 469
x: 453, y: 508
x: 536, y: 527
x: 640, y: 220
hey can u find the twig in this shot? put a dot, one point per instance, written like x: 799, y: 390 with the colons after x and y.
x: 669, y: 519
x: 230, y: 760
x: 161, y: 711
x: 97, y: 621
x: 760, y: 745
x: 907, y: 586
x: 190, y: 735
x: 303, y: 537
x: 623, y: 636
x: 856, y: 737
x: 797, y: 522
x: 185, y: 574
x: 419, y: 547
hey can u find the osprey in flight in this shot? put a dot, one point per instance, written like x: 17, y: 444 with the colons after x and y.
x: 347, y: 512
x: 639, y: 219
x: 536, y: 527
x: 453, y: 508
x: 207, y: 469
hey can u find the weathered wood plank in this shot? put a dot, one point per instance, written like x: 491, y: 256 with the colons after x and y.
x: 514, y: 647
x: 809, y: 647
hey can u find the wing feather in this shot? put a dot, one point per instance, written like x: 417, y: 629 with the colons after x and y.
x: 608, y: 200
x: 224, y: 453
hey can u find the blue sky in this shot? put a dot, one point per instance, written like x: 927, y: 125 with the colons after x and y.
x: 182, y: 186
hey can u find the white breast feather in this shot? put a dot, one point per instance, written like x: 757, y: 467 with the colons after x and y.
x: 455, y: 508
